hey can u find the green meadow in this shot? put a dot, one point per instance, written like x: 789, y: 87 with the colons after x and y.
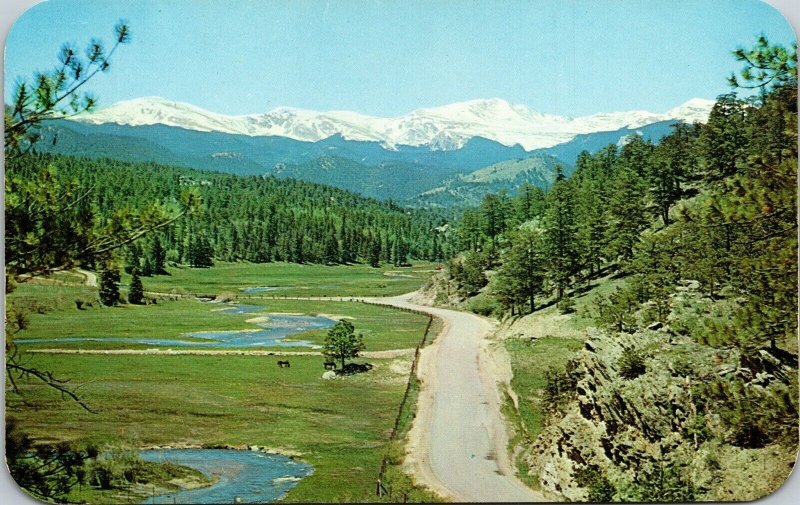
x: 173, y: 319
x: 559, y: 338
x: 292, y: 279
x: 339, y: 426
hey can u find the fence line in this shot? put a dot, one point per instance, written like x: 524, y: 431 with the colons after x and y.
x: 380, y: 489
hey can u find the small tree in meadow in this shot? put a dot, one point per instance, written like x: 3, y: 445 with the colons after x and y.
x: 342, y: 342
x: 109, y: 286
x: 136, y: 291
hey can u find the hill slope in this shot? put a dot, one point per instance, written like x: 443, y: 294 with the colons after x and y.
x: 469, y: 189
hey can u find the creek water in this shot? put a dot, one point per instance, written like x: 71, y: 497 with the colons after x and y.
x: 252, y: 476
x: 271, y: 331
x: 261, y: 289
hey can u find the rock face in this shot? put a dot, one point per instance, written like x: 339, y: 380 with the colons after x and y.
x: 640, y: 436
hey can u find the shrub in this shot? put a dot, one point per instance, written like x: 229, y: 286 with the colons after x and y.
x: 566, y: 305
x: 485, y: 306
x: 600, y: 489
x: 102, y: 475
x: 682, y: 367
x: 560, y: 385
x: 631, y: 363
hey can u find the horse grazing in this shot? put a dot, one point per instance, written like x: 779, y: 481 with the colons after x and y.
x: 284, y: 364
x: 329, y: 365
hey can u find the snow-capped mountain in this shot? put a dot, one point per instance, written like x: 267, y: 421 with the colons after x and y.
x: 447, y: 127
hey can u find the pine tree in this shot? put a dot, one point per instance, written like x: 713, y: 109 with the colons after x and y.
x: 132, y: 258
x: 136, y: 290
x: 592, y: 223
x: 57, y: 93
x: 561, y: 234
x: 626, y: 215
x: 521, y: 277
x: 473, y: 276
x: 331, y: 254
x: 199, y: 253
x: 342, y: 342
x: 109, y: 286
x: 617, y: 311
x: 528, y: 204
x: 158, y: 257
x: 374, y: 256
x: 493, y: 216
x: 722, y: 140
x: 670, y: 164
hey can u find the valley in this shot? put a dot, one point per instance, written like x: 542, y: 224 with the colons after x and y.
x: 222, y: 400
x: 480, y: 300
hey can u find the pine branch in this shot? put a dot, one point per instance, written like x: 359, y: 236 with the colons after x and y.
x: 48, y: 379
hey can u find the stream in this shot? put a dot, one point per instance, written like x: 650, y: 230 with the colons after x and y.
x: 270, y: 330
x: 252, y: 476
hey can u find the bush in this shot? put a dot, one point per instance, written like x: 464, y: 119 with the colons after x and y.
x: 566, y: 305
x: 485, y: 306
x: 631, y: 363
x: 682, y: 367
x: 600, y: 489
x: 560, y: 385
x: 102, y: 475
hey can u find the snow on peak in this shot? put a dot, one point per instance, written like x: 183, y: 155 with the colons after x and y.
x: 694, y: 110
x: 446, y: 127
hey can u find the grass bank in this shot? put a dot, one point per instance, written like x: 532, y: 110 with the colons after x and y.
x: 537, y: 343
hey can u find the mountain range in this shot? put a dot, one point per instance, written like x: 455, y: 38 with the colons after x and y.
x: 448, y: 127
x: 450, y: 155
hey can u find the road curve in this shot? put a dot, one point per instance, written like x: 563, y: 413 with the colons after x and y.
x: 458, y: 445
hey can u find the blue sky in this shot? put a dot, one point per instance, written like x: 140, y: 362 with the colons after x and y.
x: 572, y: 57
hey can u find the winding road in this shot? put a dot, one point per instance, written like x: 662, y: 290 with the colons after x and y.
x: 458, y: 444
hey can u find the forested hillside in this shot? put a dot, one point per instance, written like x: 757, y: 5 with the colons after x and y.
x: 258, y: 219
x: 687, y: 381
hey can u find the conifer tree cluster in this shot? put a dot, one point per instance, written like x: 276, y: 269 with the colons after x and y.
x: 258, y: 219
x: 712, y: 203
x: 711, y: 208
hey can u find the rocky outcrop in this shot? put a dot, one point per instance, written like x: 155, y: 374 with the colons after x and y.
x: 643, y: 435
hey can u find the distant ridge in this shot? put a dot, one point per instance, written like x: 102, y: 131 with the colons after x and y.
x: 444, y: 128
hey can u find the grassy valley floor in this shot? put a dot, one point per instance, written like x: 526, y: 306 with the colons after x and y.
x: 341, y: 426
x: 173, y: 319
x: 291, y: 279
